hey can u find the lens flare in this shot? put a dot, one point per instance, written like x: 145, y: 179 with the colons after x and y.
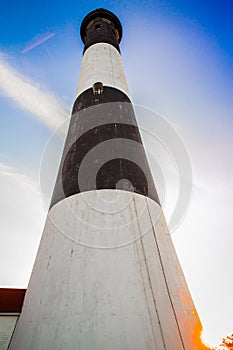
x: 212, y: 342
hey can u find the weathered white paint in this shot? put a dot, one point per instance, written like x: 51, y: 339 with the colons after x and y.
x: 7, y: 326
x: 106, y: 277
x: 102, y: 63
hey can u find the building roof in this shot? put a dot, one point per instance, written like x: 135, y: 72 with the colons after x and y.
x: 11, y: 300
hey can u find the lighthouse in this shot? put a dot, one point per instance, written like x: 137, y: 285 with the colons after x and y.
x: 106, y: 275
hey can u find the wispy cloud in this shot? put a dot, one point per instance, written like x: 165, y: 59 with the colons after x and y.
x: 37, y: 41
x: 29, y: 96
x: 22, y: 217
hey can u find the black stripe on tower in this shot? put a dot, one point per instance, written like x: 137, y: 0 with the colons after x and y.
x: 101, y: 26
x: 103, y: 127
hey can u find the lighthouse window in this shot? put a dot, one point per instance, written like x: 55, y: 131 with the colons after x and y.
x: 97, y: 26
x: 98, y: 88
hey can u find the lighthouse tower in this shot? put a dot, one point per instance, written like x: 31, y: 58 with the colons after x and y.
x: 106, y: 274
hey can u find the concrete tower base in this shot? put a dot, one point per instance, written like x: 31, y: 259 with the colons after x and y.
x: 108, y: 281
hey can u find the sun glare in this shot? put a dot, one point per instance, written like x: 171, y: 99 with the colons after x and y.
x: 212, y: 341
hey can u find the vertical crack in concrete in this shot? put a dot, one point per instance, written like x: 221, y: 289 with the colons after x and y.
x: 165, y: 279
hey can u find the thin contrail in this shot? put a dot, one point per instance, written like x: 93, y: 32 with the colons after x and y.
x: 38, y: 42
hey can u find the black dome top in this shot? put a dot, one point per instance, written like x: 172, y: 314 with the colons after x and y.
x: 100, y: 12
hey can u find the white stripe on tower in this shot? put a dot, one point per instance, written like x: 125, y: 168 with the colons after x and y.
x: 102, y: 62
x: 106, y: 274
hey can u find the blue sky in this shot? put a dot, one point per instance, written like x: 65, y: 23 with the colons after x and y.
x: 178, y: 61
